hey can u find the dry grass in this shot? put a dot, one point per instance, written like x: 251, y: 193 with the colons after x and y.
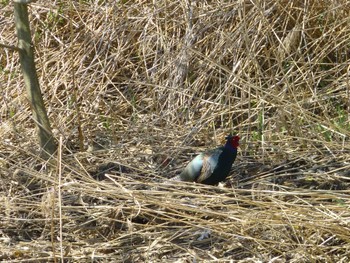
x: 152, y: 84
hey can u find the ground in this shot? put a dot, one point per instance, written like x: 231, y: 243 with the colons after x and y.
x: 135, y: 89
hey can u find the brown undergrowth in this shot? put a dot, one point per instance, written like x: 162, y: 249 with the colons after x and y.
x: 151, y: 84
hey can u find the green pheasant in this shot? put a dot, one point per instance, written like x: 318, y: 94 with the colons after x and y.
x: 212, y: 166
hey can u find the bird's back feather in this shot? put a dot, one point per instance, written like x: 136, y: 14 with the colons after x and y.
x: 202, y: 166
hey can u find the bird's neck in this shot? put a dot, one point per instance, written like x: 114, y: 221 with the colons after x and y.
x: 231, y: 148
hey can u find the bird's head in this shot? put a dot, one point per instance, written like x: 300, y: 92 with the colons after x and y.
x: 233, y: 141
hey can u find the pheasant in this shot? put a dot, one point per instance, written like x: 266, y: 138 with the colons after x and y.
x: 213, y: 166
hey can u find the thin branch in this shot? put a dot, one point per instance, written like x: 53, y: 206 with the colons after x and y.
x: 10, y: 47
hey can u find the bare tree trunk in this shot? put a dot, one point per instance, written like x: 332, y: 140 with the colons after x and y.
x: 26, y: 54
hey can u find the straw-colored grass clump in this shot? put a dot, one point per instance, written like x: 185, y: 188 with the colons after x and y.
x: 149, y: 84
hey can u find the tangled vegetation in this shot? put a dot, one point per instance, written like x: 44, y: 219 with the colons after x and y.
x: 134, y: 89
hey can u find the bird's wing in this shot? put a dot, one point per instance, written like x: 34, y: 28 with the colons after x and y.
x: 192, y: 170
x: 210, y: 160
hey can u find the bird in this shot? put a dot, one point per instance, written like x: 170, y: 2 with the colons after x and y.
x: 212, y: 166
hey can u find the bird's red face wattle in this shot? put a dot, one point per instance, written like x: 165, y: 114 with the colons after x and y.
x: 235, y: 141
